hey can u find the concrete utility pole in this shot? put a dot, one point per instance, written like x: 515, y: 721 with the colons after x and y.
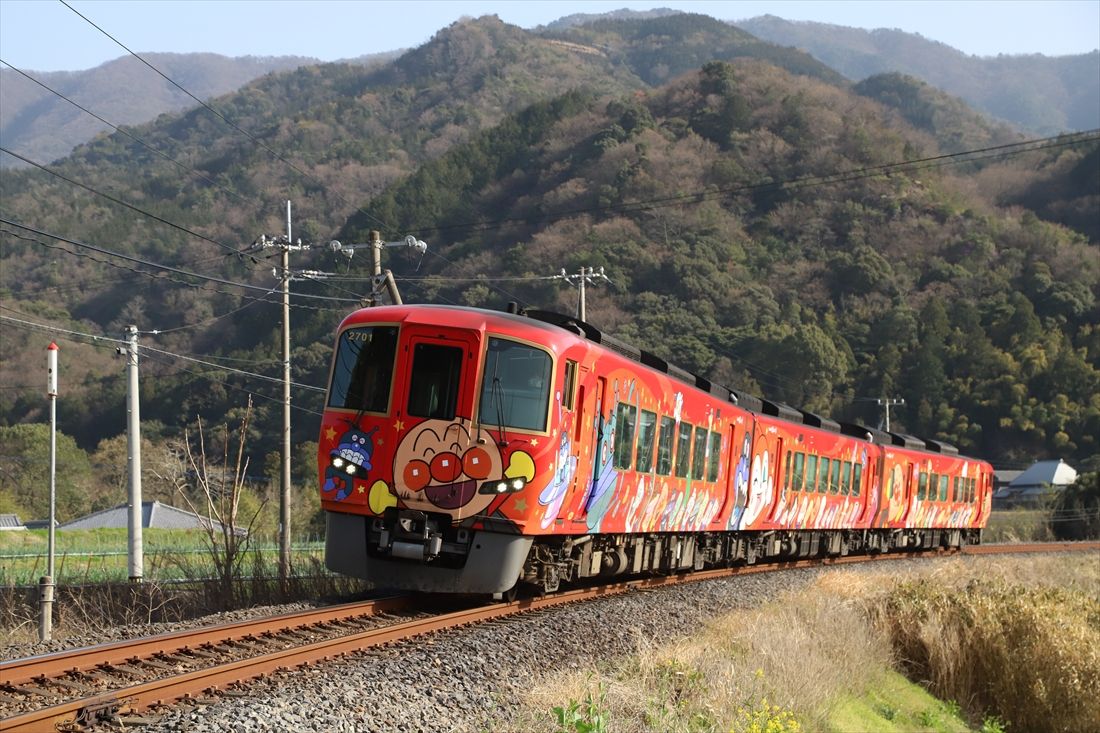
x: 286, y: 245
x: 886, y: 402
x: 586, y: 275
x: 133, y: 461
x: 381, y: 277
x: 46, y: 586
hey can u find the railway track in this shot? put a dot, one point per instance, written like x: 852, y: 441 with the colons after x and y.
x: 78, y: 689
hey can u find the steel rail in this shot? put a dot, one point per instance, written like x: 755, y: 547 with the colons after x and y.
x: 84, y: 711
x: 28, y: 669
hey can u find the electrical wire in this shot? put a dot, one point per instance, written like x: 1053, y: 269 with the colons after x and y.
x: 130, y: 135
x: 148, y: 263
x: 146, y: 350
x: 224, y: 119
x: 120, y: 202
x: 642, y: 205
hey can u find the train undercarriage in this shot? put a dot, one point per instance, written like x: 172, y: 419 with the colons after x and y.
x: 417, y: 551
x: 554, y: 560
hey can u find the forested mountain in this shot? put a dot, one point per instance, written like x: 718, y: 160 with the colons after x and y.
x: 1042, y: 94
x: 712, y: 199
x: 45, y: 127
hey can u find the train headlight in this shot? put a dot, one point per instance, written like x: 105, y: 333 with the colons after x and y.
x: 337, y: 461
x: 503, y: 486
x: 350, y: 469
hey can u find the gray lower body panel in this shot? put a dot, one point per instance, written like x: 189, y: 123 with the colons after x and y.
x: 493, y: 565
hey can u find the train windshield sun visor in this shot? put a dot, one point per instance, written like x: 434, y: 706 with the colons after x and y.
x: 363, y: 371
x: 515, y: 390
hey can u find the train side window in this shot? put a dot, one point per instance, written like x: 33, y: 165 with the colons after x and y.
x: 664, y: 446
x: 834, y: 483
x: 787, y: 472
x: 570, y: 386
x: 683, y: 450
x: 857, y: 478
x: 714, y: 461
x: 955, y: 495
x: 846, y: 478
x: 799, y: 461
x: 625, y: 418
x: 823, y: 476
x: 922, y: 487
x: 973, y: 490
x: 515, y: 388
x: 943, y: 487
x: 647, y: 427
x: 811, y: 473
x: 699, y: 457
x: 363, y: 370
x: 433, y: 385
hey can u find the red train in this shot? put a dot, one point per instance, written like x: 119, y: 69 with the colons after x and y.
x: 467, y: 450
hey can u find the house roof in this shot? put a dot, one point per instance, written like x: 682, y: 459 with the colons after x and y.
x: 10, y: 521
x: 153, y: 514
x: 1050, y: 473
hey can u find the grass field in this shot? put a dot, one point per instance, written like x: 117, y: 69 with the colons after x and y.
x: 101, y: 555
x: 936, y: 648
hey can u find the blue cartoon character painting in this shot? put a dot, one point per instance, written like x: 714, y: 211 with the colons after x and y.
x: 741, y: 482
x: 348, y: 461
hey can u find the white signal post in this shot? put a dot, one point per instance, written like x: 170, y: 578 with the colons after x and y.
x: 133, y: 460
x: 46, y: 586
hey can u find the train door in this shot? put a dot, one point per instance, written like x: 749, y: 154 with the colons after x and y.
x: 910, y: 485
x: 868, y: 490
x: 729, y: 478
x: 433, y: 409
x: 592, y: 430
x: 778, y: 494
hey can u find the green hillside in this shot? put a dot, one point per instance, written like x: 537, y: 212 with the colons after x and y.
x: 620, y: 144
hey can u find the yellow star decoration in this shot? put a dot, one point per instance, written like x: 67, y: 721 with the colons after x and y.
x: 380, y: 441
x: 399, y: 425
x: 535, y: 442
x: 330, y: 433
x: 521, y: 505
x: 362, y: 490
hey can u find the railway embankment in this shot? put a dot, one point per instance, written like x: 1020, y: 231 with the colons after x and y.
x: 970, y: 643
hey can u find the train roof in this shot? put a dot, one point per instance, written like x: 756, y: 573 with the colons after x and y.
x: 744, y: 400
x: 556, y: 323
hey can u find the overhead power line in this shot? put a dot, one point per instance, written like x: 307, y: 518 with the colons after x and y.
x: 120, y: 202
x: 935, y: 161
x: 156, y: 265
x: 223, y: 118
x: 135, y: 138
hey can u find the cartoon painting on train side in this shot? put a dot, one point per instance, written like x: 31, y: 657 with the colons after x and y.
x: 473, y: 449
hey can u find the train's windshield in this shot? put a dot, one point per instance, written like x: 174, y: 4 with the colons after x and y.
x: 515, y: 390
x: 363, y: 371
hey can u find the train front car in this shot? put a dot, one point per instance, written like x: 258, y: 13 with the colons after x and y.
x: 435, y: 444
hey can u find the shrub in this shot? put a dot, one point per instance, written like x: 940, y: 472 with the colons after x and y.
x: 1030, y: 655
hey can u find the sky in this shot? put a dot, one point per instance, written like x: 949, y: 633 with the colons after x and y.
x: 45, y: 35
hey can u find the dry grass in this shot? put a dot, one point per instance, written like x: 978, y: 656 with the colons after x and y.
x: 1017, y: 638
x: 1028, y: 654
x: 83, y: 610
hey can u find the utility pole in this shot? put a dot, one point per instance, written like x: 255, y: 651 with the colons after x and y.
x: 381, y: 277
x: 133, y: 461
x: 586, y: 275
x: 46, y: 587
x: 286, y: 244
x: 886, y: 402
